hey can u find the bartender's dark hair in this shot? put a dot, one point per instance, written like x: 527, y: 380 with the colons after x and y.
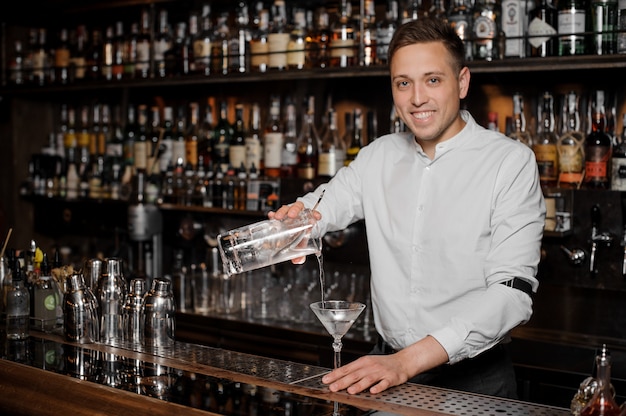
x: 429, y: 29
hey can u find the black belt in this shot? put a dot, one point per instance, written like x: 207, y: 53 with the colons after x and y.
x: 519, y: 284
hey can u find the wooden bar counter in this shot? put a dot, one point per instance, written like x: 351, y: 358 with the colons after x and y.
x: 46, y: 375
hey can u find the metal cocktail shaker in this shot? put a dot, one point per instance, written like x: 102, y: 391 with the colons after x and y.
x: 159, y: 311
x: 80, y: 315
x: 132, y: 318
x: 111, y: 295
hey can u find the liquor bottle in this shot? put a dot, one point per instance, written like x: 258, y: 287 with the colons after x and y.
x: 17, y: 305
x: 603, y: 26
x: 413, y: 10
x: 144, y: 54
x: 130, y: 52
x: 318, y: 53
x: 239, y: 40
x: 514, y: 23
x: 545, y: 142
x: 205, y: 138
x: 202, y: 43
x: 179, y: 151
x: 62, y: 58
x: 343, y: 44
x: 485, y: 30
x: 254, y: 147
x: 16, y: 65
x: 177, y: 56
x: 598, y: 146
x: 278, y: 37
x: 460, y: 17
x: 518, y: 129
x: 237, y: 146
x: 368, y: 40
x: 273, y: 137
x: 385, y: 30
x: 542, y: 24
x: 571, y: 26
x: 78, y: 56
x: 40, y: 58
x: 222, y: 136
x: 46, y: 305
x: 141, y: 145
x: 219, y: 45
x: 618, y: 164
x: 167, y: 140
x: 119, y: 51
x: 308, y: 144
x: 296, y: 55
x: 191, y: 141
x: 621, y: 27
x: 355, y: 136
x: 93, y: 57
x: 162, y: 42
x: 259, y: 42
x: 130, y: 135
x: 108, y: 54
x: 331, y: 145
x: 571, y: 145
x: 289, y: 153
x: 602, y: 403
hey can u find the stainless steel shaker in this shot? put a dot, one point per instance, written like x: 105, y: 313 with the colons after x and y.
x: 92, y: 270
x: 132, y: 318
x: 80, y: 311
x: 159, y: 311
x: 111, y: 295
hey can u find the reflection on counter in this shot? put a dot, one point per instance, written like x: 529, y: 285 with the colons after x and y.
x: 192, y: 389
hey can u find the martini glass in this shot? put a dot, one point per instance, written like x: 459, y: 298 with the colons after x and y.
x: 337, y: 316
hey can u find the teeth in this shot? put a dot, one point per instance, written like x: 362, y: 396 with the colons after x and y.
x: 422, y: 115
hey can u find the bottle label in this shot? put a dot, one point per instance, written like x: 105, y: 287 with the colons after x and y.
x: 596, y: 164
x: 278, y: 44
x: 273, y: 150
x: 571, y: 23
x: 259, y: 51
x: 327, y: 163
x: 546, y: 156
x: 513, y: 28
x: 539, y: 32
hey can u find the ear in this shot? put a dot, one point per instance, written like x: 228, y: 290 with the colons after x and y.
x: 464, y: 82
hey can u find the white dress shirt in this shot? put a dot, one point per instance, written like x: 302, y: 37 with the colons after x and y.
x: 443, y: 233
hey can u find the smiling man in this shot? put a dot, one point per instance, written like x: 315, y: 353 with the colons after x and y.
x: 454, y: 217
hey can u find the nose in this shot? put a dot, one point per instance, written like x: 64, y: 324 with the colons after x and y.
x: 418, y: 96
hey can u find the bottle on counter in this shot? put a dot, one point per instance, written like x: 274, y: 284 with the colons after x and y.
x: 17, y: 305
x: 541, y: 30
x: 571, y: 145
x: 518, y: 129
x: 603, y: 402
x: 486, y: 28
x: 308, y: 145
x: 571, y: 26
x: 545, y: 143
x: 273, y: 138
x: 46, y: 300
x: 598, y: 146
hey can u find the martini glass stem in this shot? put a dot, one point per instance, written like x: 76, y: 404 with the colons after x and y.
x: 337, y: 348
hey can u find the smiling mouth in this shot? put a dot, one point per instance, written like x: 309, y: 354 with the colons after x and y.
x: 422, y: 115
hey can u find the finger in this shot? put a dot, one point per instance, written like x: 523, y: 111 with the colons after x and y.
x: 298, y: 260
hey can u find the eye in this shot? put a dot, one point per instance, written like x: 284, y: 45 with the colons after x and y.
x: 433, y: 81
x: 402, y: 84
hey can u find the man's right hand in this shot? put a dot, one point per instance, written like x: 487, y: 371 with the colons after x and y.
x: 292, y: 211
